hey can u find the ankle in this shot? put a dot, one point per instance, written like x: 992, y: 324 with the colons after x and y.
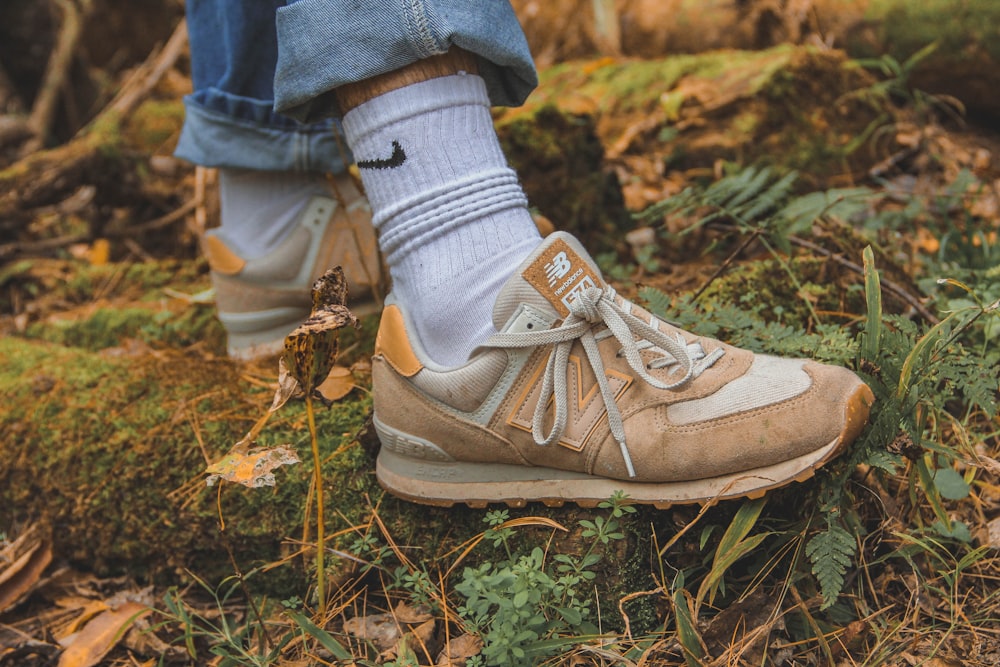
x: 455, y: 61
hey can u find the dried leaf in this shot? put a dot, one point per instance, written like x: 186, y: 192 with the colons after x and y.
x: 251, y: 467
x: 288, y: 386
x: 100, y: 635
x: 338, y: 384
x: 404, y: 613
x: 993, y: 528
x: 18, y: 579
x: 382, y: 630
x: 311, y: 350
x: 460, y: 649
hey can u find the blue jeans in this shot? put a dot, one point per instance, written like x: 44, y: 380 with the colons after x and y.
x: 264, y: 70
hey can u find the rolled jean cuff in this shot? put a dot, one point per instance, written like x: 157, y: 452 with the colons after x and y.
x: 318, y: 50
x: 251, y: 136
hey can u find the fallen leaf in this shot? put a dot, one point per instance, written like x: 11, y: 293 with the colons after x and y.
x: 100, y: 635
x: 382, y: 630
x: 23, y: 574
x: 993, y: 530
x: 338, y: 384
x: 412, y: 615
x: 251, y: 467
x: 460, y: 649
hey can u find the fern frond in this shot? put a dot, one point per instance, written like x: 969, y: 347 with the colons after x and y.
x: 831, y: 553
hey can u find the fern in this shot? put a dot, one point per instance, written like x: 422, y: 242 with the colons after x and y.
x: 831, y: 553
x: 745, y: 197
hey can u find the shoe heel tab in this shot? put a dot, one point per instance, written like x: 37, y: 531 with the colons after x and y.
x: 220, y: 258
x: 393, y: 345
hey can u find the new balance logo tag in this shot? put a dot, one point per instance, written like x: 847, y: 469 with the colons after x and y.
x: 557, y: 268
x: 560, y: 273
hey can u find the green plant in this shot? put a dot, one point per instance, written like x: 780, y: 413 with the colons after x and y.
x: 237, y: 641
x: 921, y: 376
x: 896, y: 85
x: 526, y: 607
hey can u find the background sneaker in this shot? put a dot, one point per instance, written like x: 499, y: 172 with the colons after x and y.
x: 582, y: 393
x: 261, y: 300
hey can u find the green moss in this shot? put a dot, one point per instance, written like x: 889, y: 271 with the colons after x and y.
x: 111, y: 327
x: 155, y: 122
x: 105, y: 451
x: 959, y: 28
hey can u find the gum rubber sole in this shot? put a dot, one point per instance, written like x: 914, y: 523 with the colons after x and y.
x: 432, y: 479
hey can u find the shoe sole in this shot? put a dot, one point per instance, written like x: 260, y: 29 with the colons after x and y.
x: 445, y: 483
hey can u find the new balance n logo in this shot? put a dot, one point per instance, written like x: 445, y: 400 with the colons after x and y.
x: 585, y: 409
x: 557, y: 268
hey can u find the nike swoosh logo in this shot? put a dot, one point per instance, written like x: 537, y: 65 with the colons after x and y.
x: 397, y: 158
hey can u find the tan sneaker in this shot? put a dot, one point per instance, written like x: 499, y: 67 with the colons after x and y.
x: 582, y: 393
x: 260, y: 301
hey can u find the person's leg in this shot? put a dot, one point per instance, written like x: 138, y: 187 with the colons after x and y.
x: 579, y: 393
x: 281, y: 222
x: 452, y: 217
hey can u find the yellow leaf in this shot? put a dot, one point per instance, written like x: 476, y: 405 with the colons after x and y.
x: 251, y: 467
x: 339, y: 383
x: 100, y: 635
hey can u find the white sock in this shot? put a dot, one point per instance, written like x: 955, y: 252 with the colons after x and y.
x: 452, y: 217
x: 260, y: 208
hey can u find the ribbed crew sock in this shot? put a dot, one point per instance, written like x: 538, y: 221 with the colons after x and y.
x: 452, y: 218
x: 260, y: 208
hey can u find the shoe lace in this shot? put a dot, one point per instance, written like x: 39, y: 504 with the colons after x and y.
x: 592, y: 308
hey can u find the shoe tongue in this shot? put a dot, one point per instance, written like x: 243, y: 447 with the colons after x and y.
x: 549, y: 279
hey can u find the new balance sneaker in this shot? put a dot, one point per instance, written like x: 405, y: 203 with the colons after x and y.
x: 261, y: 300
x: 582, y: 393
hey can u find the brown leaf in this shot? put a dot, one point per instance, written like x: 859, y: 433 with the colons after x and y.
x: 459, y: 649
x: 23, y: 574
x: 100, y: 635
x: 311, y: 350
x: 380, y: 629
x: 288, y: 386
x: 993, y: 532
x: 251, y: 467
x: 412, y: 615
x: 338, y: 384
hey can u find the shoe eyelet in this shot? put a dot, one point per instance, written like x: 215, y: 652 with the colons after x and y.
x: 530, y: 325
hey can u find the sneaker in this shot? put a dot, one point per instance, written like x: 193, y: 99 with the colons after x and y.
x: 582, y: 393
x: 261, y: 300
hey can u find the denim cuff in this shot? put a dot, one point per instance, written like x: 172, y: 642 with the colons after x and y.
x: 324, y: 44
x: 249, y: 135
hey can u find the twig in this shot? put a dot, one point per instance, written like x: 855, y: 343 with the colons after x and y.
x: 725, y: 265
x: 146, y: 77
x: 156, y: 223
x: 10, y: 249
x: 56, y: 72
x: 887, y: 285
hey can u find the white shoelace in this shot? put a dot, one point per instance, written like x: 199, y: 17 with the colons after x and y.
x: 592, y: 308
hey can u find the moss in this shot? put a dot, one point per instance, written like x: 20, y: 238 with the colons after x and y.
x: 107, y: 452
x: 786, y: 106
x: 560, y: 160
x: 154, y: 123
x: 960, y: 28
